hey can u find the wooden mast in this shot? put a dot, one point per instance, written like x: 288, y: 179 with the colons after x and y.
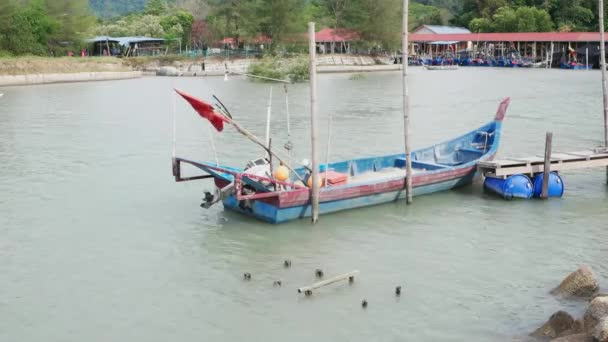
x: 314, y: 195
x: 406, y: 103
x: 603, y: 67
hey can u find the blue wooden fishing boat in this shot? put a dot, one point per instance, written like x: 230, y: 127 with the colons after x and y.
x: 575, y: 66
x: 351, y: 183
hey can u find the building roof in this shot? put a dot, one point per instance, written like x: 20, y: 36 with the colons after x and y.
x: 124, y: 41
x: 328, y: 35
x: 510, y: 37
x: 440, y: 29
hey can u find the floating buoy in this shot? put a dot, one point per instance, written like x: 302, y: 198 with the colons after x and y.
x: 556, y: 185
x: 319, y: 273
x: 287, y: 263
x: 281, y: 173
x: 247, y: 276
x: 398, y: 291
x: 364, y: 303
x: 515, y: 186
x: 309, y: 182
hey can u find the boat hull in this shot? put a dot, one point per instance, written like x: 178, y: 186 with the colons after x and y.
x: 274, y: 214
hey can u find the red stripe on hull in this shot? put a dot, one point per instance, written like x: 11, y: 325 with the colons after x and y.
x: 298, y: 198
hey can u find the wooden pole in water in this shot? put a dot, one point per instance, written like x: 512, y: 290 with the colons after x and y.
x: 551, y: 56
x: 268, y: 114
x: 406, y: 103
x: 312, y: 50
x: 547, y: 166
x: 603, y: 67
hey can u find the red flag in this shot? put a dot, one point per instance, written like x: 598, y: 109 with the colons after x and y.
x: 205, y: 110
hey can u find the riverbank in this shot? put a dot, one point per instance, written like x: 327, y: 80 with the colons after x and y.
x: 59, y: 65
x: 33, y: 79
x: 43, y: 70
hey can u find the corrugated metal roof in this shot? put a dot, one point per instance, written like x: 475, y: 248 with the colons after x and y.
x: 124, y: 41
x: 102, y: 39
x: 440, y: 29
x: 511, y: 37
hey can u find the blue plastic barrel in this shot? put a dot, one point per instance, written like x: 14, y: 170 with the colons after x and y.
x: 556, y: 185
x: 515, y: 186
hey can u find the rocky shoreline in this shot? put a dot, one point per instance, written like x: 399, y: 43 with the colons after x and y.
x: 326, y: 64
x: 581, y: 284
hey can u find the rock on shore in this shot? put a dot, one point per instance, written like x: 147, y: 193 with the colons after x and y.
x: 595, y: 316
x: 559, y: 324
x: 580, y: 283
x: 582, y: 337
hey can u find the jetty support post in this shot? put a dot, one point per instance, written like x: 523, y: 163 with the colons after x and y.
x: 603, y: 68
x: 547, y: 166
x: 312, y: 50
x: 406, y: 103
x: 550, y: 59
x: 307, y: 290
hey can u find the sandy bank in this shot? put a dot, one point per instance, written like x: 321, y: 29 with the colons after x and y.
x: 32, y: 79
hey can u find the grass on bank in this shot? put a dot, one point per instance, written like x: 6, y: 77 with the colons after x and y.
x: 295, y: 69
x: 59, y: 65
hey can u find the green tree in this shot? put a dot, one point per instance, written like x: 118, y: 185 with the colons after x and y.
x: 27, y: 29
x: 481, y: 25
x: 423, y: 15
x: 505, y: 20
x: 178, y: 24
x: 279, y: 17
x: 236, y: 19
x: 74, y: 20
x: 576, y: 14
x: 508, y: 19
x: 155, y: 7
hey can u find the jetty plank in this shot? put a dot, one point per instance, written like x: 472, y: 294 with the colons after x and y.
x: 529, y: 165
x: 308, y: 289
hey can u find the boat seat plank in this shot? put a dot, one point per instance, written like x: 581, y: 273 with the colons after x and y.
x: 428, y: 166
x: 469, y: 149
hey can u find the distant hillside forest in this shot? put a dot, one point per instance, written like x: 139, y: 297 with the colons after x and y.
x: 116, y: 8
x: 52, y: 27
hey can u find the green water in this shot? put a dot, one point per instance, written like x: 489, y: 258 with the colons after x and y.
x: 97, y: 243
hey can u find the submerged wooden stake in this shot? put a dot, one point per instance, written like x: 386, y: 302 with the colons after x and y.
x: 547, y: 167
x: 406, y: 104
x: 314, y: 196
x: 308, y: 289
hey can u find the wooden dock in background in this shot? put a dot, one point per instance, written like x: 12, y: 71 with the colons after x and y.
x: 560, y: 161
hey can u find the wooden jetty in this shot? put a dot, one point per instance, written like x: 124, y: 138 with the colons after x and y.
x: 560, y: 161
